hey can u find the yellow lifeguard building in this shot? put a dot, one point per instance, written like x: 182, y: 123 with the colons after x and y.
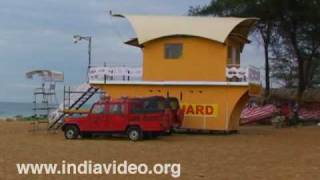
x: 195, y: 59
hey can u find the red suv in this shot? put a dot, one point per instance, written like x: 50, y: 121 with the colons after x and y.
x: 135, y: 117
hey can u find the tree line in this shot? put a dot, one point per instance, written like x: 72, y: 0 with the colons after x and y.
x: 290, y: 33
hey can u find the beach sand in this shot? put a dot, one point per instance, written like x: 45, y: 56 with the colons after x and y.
x: 256, y: 153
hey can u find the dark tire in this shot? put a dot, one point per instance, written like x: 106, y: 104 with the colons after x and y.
x: 169, y: 132
x: 71, y: 132
x: 134, y: 133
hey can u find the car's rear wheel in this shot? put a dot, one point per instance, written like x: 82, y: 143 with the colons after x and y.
x: 169, y: 132
x: 134, y: 133
x: 71, y: 132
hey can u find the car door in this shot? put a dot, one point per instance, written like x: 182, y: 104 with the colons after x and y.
x: 154, y: 111
x: 99, y: 118
x: 118, y: 119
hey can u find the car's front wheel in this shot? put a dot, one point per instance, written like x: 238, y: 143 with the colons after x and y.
x: 71, y: 132
x: 134, y: 133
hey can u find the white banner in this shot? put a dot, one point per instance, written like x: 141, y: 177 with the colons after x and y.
x: 99, y: 73
x: 250, y: 74
x: 253, y: 75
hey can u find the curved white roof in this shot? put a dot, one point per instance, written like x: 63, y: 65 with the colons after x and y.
x: 148, y: 28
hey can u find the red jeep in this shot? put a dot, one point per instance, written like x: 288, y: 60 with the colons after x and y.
x: 135, y: 117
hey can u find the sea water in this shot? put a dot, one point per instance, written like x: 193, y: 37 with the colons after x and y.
x: 11, y: 109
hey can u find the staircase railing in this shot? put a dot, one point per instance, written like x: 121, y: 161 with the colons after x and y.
x: 72, y: 104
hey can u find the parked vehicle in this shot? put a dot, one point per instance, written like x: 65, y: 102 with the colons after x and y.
x: 135, y: 117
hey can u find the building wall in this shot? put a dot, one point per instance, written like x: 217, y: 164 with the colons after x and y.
x: 202, y: 60
x: 227, y: 100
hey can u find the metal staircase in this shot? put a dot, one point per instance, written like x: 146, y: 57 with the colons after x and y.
x: 74, y: 103
x: 83, y: 98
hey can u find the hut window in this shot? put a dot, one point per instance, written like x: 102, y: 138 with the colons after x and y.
x: 233, y: 55
x: 173, y: 51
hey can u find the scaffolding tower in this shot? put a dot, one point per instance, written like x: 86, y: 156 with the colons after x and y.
x: 73, y: 100
x: 45, y: 97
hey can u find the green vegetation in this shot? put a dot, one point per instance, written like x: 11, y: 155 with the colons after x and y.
x: 290, y: 33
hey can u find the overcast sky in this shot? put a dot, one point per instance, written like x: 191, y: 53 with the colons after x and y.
x: 37, y: 34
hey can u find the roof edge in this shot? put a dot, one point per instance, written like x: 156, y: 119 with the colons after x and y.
x: 231, y: 27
